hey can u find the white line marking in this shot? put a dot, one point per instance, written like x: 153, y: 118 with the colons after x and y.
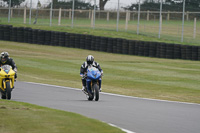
x: 117, y: 94
x: 127, y: 131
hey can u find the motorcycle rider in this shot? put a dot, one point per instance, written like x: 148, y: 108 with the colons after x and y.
x: 6, y: 60
x: 83, y: 71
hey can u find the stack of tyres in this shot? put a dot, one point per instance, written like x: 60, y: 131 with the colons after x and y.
x: 183, y: 51
x: 131, y: 46
x: 110, y: 45
x: 41, y: 37
x: 194, y: 53
x: 137, y: 43
x: 103, y: 44
x: 82, y: 42
x: 93, y: 43
x: 72, y: 40
x: 152, y: 49
x: 61, y: 39
x: 199, y: 53
x: 67, y: 40
x: 56, y: 39
x: 146, y: 48
x: 189, y: 52
x: 20, y: 34
x: 119, y: 45
x: 53, y: 35
x: 170, y: 51
x: 77, y: 40
x: 163, y: 50
x: 114, y: 45
x: 1, y: 32
x: 125, y: 46
x: 98, y: 43
x: 30, y: 35
x: 47, y: 38
x: 177, y: 51
x: 13, y: 36
x: 88, y: 39
x: 141, y: 49
x: 26, y: 30
x: 7, y: 29
x: 158, y: 50
x: 35, y: 36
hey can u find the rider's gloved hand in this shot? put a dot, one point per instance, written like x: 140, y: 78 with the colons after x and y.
x: 101, y: 73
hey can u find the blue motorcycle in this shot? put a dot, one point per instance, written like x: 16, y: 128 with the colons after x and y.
x: 93, y: 79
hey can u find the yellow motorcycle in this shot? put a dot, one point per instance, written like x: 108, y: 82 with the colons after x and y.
x: 7, y: 78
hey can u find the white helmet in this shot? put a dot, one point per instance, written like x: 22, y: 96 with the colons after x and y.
x: 90, y: 59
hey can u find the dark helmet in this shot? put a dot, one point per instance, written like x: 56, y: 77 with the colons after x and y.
x: 90, y: 59
x: 4, y: 57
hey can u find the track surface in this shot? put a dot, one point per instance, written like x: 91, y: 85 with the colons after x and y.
x: 134, y: 114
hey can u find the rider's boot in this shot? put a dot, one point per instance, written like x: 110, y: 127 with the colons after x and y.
x: 84, y: 89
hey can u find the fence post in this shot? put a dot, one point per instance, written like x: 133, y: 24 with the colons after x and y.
x: 51, y: 12
x: 72, y: 25
x: 138, y: 24
x: 168, y: 15
x: 187, y: 14
x: 94, y: 15
x: 30, y: 12
x: 89, y: 14
x: 160, y: 24
x: 148, y: 15
x: 92, y: 22
x: 126, y: 26
x: 183, y: 19
x: 59, y: 17
x: 195, y: 24
x: 118, y: 16
x: 25, y: 15
x: 9, y: 11
x: 108, y: 15
x: 70, y: 13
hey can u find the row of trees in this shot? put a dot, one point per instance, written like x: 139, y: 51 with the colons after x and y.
x: 168, y: 5
x: 152, y: 5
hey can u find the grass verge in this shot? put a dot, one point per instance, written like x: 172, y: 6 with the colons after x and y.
x: 18, y: 117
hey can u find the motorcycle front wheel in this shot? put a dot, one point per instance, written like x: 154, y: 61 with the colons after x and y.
x: 96, y: 92
x: 8, y: 91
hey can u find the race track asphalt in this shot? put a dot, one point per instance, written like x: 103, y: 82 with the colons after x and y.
x: 135, y: 114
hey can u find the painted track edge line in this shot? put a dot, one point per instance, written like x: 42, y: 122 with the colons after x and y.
x: 127, y: 131
x: 158, y: 100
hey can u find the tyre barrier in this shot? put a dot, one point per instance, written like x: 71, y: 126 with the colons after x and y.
x: 82, y: 42
x: 119, y: 45
x: 77, y: 40
x: 47, y: 37
x: 115, y: 45
x: 103, y: 44
x: 109, y: 48
x: 97, y: 43
x: 61, y: 40
x: 125, y: 46
x: 13, y: 36
x: 131, y: 50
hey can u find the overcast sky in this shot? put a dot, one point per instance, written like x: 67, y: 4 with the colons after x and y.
x: 111, y: 4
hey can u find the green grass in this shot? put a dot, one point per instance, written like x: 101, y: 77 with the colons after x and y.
x: 176, y: 80
x: 171, y: 30
x: 18, y: 117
